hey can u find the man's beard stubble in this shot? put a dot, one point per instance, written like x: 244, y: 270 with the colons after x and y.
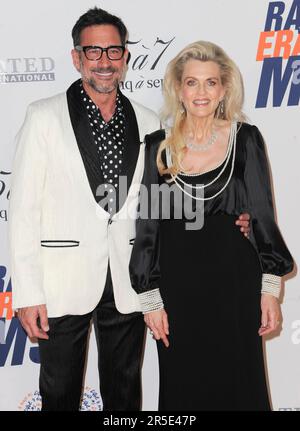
x: 103, y: 89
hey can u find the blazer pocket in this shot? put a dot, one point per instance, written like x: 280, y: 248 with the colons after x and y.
x: 59, y: 243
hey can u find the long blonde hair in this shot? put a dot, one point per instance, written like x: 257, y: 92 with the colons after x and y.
x: 173, y: 111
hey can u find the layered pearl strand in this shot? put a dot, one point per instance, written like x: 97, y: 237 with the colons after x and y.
x: 231, y: 150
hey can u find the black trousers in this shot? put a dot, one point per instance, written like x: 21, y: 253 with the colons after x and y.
x: 120, y: 340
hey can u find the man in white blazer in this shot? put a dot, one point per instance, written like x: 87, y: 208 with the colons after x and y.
x: 70, y: 250
x: 67, y: 251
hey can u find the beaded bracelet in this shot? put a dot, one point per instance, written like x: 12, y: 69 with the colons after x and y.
x: 271, y: 284
x: 151, y: 301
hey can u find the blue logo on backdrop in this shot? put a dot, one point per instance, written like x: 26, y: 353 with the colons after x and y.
x: 13, y: 338
x: 279, y: 51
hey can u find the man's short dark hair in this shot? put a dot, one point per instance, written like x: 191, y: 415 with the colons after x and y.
x: 97, y: 16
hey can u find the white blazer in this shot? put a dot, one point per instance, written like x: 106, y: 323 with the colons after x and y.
x: 60, y: 238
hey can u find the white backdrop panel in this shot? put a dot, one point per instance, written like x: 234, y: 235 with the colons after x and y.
x: 36, y: 39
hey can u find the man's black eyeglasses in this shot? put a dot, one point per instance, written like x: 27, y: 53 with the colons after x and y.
x: 94, y: 53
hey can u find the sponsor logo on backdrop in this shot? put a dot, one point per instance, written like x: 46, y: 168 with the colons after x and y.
x: 145, y: 57
x: 27, y: 69
x: 296, y: 332
x: 4, y: 194
x: 279, y: 51
x: 13, y: 338
x: 91, y: 401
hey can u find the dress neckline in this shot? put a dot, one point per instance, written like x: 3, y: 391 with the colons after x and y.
x: 205, y: 172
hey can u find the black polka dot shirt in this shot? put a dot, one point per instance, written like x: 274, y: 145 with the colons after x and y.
x: 109, y: 139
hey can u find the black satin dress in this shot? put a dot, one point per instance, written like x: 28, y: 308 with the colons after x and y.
x: 210, y: 281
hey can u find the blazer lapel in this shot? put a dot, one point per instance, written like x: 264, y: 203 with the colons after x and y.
x: 84, y: 137
x: 132, y: 141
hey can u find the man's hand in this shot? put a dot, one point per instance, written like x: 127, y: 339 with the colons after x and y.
x: 157, y: 322
x: 244, y: 222
x: 28, y: 317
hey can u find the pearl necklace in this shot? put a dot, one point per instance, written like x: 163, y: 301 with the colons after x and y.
x: 231, y: 150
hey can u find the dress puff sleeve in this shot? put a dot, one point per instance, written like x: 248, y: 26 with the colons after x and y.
x: 144, y: 263
x: 274, y: 256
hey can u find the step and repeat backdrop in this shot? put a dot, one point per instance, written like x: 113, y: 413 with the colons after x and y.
x: 35, y: 62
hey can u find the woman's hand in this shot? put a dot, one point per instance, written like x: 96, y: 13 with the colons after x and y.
x: 244, y: 222
x: 157, y: 322
x: 270, y: 314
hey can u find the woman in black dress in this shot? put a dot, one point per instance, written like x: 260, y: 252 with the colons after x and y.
x: 209, y: 294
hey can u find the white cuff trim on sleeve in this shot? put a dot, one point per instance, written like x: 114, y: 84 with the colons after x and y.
x: 151, y: 301
x: 271, y: 284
